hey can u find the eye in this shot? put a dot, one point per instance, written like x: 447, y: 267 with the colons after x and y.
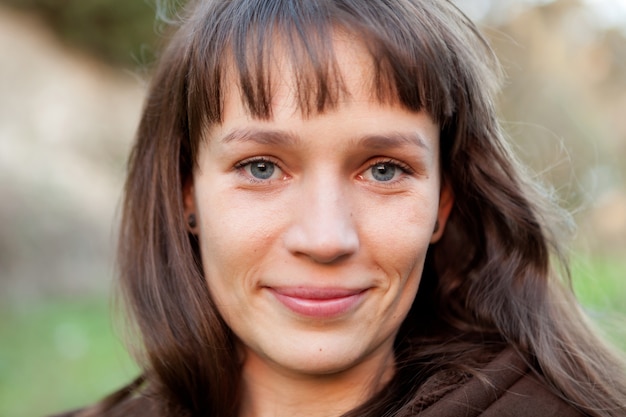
x: 262, y: 170
x: 384, y: 172
x: 259, y: 169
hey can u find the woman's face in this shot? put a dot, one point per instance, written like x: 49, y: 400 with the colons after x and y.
x: 313, y: 231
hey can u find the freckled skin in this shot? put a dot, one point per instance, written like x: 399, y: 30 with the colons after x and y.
x: 327, y: 217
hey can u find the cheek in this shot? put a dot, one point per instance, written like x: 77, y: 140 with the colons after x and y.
x: 398, y: 237
x: 400, y: 225
x: 233, y: 237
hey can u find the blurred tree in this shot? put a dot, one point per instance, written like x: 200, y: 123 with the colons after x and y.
x: 121, y: 32
x: 563, y: 103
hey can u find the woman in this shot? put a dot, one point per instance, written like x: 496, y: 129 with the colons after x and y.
x: 322, y: 219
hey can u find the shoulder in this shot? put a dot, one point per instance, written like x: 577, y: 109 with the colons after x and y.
x: 504, y: 388
x: 530, y: 397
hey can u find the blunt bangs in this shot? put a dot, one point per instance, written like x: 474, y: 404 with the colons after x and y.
x: 420, y: 56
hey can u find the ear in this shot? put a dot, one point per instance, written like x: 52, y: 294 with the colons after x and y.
x: 446, y: 201
x: 189, y: 207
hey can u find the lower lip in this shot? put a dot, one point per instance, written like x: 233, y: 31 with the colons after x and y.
x: 319, y: 307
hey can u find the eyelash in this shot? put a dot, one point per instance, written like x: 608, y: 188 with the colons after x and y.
x: 240, y: 168
x: 404, y: 168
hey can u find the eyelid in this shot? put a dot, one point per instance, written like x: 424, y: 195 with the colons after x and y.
x: 247, y: 161
x: 385, y: 160
x: 406, y: 171
x: 239, y: 167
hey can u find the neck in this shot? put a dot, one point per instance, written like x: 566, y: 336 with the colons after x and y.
x: 270, y: 391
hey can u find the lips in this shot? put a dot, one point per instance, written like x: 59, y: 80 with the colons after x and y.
x: 318, y: 302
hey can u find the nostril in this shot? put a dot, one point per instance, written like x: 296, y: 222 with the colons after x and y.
x: 330, y: 256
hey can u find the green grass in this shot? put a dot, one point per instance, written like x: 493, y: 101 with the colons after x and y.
x: 61, y: 354
x: 58, y: 355
x: 600, y: 285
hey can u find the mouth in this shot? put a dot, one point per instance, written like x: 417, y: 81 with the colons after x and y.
x: 318, y: 302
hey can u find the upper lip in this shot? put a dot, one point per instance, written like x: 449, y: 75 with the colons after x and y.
x: 317, y: 293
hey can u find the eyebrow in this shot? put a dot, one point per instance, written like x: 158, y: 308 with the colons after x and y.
x: 261, y: 136
x: 379, y: 141
x: 393, y: 140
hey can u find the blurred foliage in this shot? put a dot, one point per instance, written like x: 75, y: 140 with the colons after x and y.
x: 62, y: 354
x: 598, y: 283
x: 121, y: 32
x: 564, y: 98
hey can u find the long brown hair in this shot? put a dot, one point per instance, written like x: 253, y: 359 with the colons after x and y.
x: 491, y: 280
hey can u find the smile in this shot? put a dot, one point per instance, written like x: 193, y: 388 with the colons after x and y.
x: 318, y: 302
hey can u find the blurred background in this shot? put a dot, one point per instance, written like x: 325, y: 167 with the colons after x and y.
x: 72, y: 79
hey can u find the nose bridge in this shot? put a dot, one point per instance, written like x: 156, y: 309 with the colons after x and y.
x: 330, y: 208
x: 324, y: 227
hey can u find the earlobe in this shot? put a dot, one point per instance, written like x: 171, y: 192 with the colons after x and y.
x: 436, y: 226
x: 191, y: 221
x: 189, y: 207
x: 446, y: 202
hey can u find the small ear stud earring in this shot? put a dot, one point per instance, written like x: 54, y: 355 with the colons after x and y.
x: 191, y: 221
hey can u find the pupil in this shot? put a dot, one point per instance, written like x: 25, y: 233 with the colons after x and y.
x: 383, y: 172
x: 262, y: 170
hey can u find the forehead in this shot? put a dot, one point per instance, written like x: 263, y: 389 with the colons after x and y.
x: 358, y: 115
x: 347, y: 75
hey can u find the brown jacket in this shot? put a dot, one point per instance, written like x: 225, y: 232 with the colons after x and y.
x: 509, y: 390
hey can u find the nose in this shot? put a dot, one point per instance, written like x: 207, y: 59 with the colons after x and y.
x: 323, y: 228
